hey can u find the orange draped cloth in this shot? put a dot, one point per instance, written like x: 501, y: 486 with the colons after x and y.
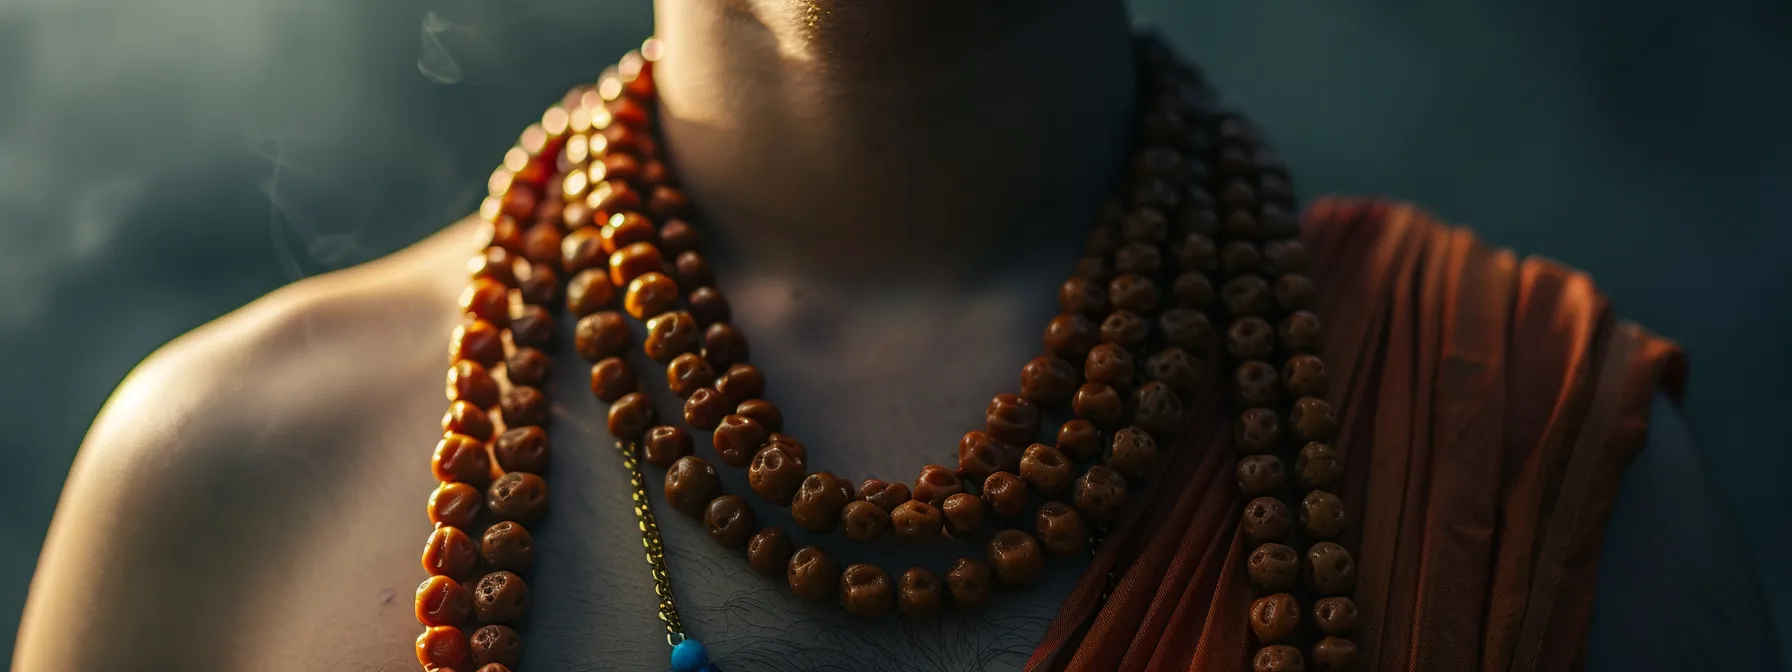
x: 1486, y: 407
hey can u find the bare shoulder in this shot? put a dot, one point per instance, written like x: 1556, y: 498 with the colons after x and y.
x: 229, y: 445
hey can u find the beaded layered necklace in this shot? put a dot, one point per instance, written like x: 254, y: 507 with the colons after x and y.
x: 1200, y: 232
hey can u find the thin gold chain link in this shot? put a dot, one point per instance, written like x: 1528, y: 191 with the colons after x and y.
x: 1095, y: 539
x: 651, y: 542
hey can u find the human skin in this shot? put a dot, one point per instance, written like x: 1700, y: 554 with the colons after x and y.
x: 892, y: 190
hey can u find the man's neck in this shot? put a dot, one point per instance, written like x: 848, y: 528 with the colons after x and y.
x: 866, y: 142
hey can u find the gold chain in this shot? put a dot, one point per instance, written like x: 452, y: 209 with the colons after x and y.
x: 650, y: 540
x: 1095, y: 539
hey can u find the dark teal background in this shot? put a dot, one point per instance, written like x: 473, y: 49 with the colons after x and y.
x: 165, y: 161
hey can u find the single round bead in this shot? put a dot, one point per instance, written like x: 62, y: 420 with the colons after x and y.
x: 1266, y: 519
x: 916, y: 520
x: 1274, y: 618
x: 527, y: 366
x: 1273, y: 567
x: 962, y: 514
x: 523, y: 406
x: 583, y: 249
x: 670, y: 335
x: 467, y: 419
x: 969, y: 582
x: 886, y: 496
x: 730, y: 521
x: 1257, y: 432
x: 507, y: 546
x: 1145, y: 225
x: 442, y: 647
x: 740, y: 383
x: 443, y: 601
x: 1110, y: 365
x: 501, y: 597
x: 1047, y: 380
x: 1185, y: 328
x: 1334, y: 654
x: 1100, y: 494
x: 517, y: 496
x: 768, y: 552
x: 1312, y: 419
x: 1301, y: 331
x: 496, y: 264
x: 813, y: 575
x: 602, y: 335
x: 1015, y: 557
x: 1095, y: 267
x: 1060, y: 529
x: 522, y: 449
x: 1132, y: 453
x: 1080, y: 295
x: 1069, y: 336
x: 479, y: 341
x: 818, y: 502
x: 980, y: 454
x: 1335, y: 615
x: 1196, y: 253
x: 1175, y: 368
x: 1240, y: 224
x: 632, y: 261
x: 705, y: 408
x: 764, y: 412
x: 693, y: 270
x: 1304, y: 376
x: 454, y: 504
x: 611, y: 197
x: 461, y: 458
x: 709, y: 306
x: 1103, y: 240
x: 935, y: 484
x: 1318, y: 467
x: 1278, y: 658
x: 1246, y: 295
x: 1138, y: 259
x: 1330, y: 569
x: 623, y: 229
x: 1260, y: 475
x: 487, y: 300
x: 866, y: 591
x: 665, y: 444
x: 1250, y: 338
x: 1005, y: 493
x: 918, y: 593
x: 1131, y: 291
x: 589, y: 292
x: 1047, y: 470
x: 1254, y: 383
x: 1322, y: 515
x: 1157, y: 409
x: 1287, y: 255
x: 724, y: 346
x: 1099, y: 404
x: 690, y: 484
x: 737, y: 438
x: 450, y: 552
x: 1296, y: 292
x: 689, y: 656
x: 1011, y: 419
x: 1125, y: 329
x: 496, y: 644
x: 775, y: 475
x: 632, y: 415
x: 1193, y: 290
x: 505, y: 232
x: 1079, y: 440
x: 678, y: 237
x: 650, y: 294
x: 1240, y: 257
x: 864, y: 521
x: 469, y: 381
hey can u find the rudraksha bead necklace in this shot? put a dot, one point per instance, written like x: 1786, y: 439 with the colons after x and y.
x: 584, y: 210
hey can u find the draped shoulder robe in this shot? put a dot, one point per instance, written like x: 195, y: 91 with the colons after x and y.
x: 1486, y: 404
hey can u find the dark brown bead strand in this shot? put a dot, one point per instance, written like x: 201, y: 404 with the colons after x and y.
x: 687, y: 373
x: 602, y: 335
x: 650, y: 294
x: 724, y: 346
x: 690, y: 484
x: 775, y: 475
x: 813, y: 575
x: 1047, y: 380
x: 631, y: 416
x: 916, y: 520
x: 730, y: 521
x: 970, y: 582
x: 665, y: 444
x: 522, y: 449
x: 918, y: 593
x: 886, y: 496
x: 706, y: 408
x: 1099, y: 494
x: 508, y: 546
x: 737, y: 439
x: 1005, y: 493
x: 1060, y: 529
x: 866, y: 591
x: 517, y: 496
x: 495, y: 645
x: 763, y: 412
x: 818, y: 502
x: 527, y: 366
x: 1046, y: 470
x: 1015, y: 557
x: 470, y: 382
x: 501, y: 597
x: 769, y: 551
x: 864, y: 521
